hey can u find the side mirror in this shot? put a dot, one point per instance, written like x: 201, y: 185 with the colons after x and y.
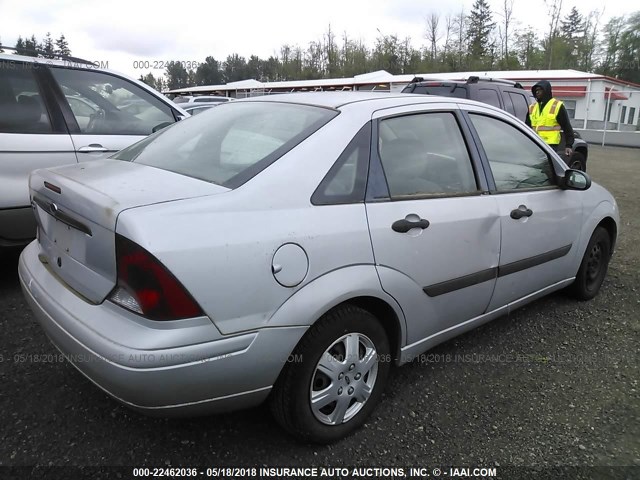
x: 576, y: 180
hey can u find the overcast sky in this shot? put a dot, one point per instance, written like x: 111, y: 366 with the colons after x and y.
x: 122, y: 32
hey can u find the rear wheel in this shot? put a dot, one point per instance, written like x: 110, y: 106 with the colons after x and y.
x: 330, y: 392
x: 593, y: 268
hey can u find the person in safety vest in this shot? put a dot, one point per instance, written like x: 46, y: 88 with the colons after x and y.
x: 548, y: 117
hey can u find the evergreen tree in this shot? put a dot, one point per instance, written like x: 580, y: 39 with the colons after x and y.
x: 628, y: 66
x: 176, y: 76
x: 48, y: 47
x: 19, y: 46
x: 208, y: 72
x: 31, y: 47
x: 479, y: 33
x: 62, y: 46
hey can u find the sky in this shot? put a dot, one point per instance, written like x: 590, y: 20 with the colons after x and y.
x: 133, y: 37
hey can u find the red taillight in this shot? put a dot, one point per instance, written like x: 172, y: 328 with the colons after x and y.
x: 146, y: 287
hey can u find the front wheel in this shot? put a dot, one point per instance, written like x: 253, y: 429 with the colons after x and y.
x: 344, y: 361
x: 593, y: 268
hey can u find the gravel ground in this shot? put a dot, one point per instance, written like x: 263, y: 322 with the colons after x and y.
x: 554, y: 384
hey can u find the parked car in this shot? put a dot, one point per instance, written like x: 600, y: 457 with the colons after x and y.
x: 291, y: 247
x: 501, y: 93
x: 184, y: 100
x: 54, y: 112
x: 196, y: 108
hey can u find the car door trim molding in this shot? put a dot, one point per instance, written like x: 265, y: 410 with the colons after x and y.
x: 461, y: 282
x: 492, y: 273
x: 534, y: 261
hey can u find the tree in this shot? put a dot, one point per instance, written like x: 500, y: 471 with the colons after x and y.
x: 479, y: 33
x: 31, y: 47
x: 433, y: 34
x: 612, y: 33
x: 176, y: 75
x: 529, y: 54
x: 152, y: 81
x: 62, y: 46
x: 234, y: 68
x: 554, y: 8
x: 48, y: 48
x: 628, y: 66
x: 589, y: 42
x: 330, y: 52
x: 208, y: 72
x: 506, y: 14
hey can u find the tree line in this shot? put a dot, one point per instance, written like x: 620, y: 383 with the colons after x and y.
x: 478, y: 40
x: 47, y: 48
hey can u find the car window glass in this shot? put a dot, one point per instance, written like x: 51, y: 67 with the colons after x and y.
x: 22, y: 109
x: 520, y: 105
x: 181, y: 100
x: 425, y: 154
x: 443, y: 90
x: 516, y: 160
x: 508, y: 105
x: 231, y: 143
x: 486, y: 95
x: 108, y: 105
x: 346, y: 180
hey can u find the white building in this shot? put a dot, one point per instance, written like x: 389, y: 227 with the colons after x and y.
x: 592, y: 101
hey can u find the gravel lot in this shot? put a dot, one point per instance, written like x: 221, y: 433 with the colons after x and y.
x: 572, y: 399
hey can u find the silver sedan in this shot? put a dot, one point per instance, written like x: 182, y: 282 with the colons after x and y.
x: 291, y: 248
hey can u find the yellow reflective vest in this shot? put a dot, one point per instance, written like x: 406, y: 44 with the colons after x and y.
x: 545, y: 123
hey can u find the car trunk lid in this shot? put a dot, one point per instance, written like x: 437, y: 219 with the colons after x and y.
x: 77, y: 207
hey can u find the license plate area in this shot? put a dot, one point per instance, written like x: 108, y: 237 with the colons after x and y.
x: 58, y: 238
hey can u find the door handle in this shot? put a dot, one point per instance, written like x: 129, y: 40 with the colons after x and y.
x: 94, y: 147
x: 403, y: 226
x: 521, y: 211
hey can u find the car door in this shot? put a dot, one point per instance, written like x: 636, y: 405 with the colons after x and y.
x: 540, y: 222
x: 106, y: 112
x: 32, y: 135
x: 435, y: 234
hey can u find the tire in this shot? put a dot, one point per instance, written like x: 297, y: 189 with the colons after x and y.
x: 594, y: 265
x: 351, y: 390
x: 578, y: 162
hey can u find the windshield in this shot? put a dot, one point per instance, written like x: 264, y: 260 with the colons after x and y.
x: 231, y: 143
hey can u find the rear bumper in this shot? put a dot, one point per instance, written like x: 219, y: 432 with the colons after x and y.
x: 163, y: 368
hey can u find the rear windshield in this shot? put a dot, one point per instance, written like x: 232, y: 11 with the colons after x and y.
x: 231, y: 143
x: 457, y: 91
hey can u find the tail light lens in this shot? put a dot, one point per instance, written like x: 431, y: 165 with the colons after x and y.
x: 146, y: 287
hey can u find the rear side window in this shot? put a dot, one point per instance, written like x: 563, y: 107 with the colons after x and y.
x: 520, y: 105
x: 490, y: 96
x: 22, y: 109
x: 231, y: 143
x: 347, y: 178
